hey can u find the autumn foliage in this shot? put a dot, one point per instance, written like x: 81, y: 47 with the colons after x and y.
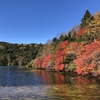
x: 46, y: 60
x: 59, y: 56
x: 80, y: 32
x: 85, y: 63
x: 39, y: 62
x: 86, y: 60
x: 81, y: 54
x: 43, y: 61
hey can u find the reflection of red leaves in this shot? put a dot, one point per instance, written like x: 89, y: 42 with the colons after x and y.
x: 60, y: 53
x: 58, y: 78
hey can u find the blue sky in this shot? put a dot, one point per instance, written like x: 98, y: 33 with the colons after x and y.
x: 36, y: 21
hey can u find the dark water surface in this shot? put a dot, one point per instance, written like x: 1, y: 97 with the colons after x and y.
x: 27, y: 84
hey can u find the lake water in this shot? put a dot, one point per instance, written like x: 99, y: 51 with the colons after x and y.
x: 27, y: 84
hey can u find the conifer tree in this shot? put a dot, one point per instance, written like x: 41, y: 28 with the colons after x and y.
x: 86, y: 16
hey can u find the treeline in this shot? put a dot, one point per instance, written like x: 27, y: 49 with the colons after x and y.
x: 18, y: 54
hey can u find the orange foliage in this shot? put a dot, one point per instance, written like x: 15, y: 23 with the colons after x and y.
x: 46, y: 60
x: 39, y: 62
x: 80, y: 32
x: 43, y: 61
x: 60, y: 53
x: 83, y: 62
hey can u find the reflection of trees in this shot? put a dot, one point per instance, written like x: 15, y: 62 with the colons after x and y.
x: 50, y: 77
x: 87, y: 86
x: 59, y: 78
x: 70, y: 81
x: 69, y: 88
x: 43, y: 76
x: 84, y: 82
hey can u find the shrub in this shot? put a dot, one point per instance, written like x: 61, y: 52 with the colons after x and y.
x: 69, y: 57
x: 71, y: 67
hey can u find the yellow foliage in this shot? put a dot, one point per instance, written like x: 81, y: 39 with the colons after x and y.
x: 94, y: 24
x: 47, y: 48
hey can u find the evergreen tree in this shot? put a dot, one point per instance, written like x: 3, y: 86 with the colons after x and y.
x: 63, y: 37
x: 87, y: 15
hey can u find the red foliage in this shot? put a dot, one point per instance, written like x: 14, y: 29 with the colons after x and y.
x: 46, y: 60
x: 60, y: 53
x: 39, y: 62
x: 43, y: 61
x: 83, y: 62
x: 80, y: 32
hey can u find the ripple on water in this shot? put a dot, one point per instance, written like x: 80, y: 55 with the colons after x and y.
x: 41, y: 92
x: 24, y: 92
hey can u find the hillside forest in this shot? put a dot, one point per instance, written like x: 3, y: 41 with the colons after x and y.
x: 76, y: 51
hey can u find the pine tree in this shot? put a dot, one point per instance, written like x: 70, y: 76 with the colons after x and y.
x: 87, y: 15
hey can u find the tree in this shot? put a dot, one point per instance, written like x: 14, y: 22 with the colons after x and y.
x: 63, y: 37
x: 55, y: 42
x: 69, y: 57
x: 59, y: 56
x: 3, y: 60
x: 71, y: 36
x: 84, y: 22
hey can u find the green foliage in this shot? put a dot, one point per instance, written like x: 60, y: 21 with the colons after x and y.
x: 9, y: 64
x: 29, y: 65
x: 68, y: 61
x: 63, y: 38
x: 14, y: 63
x: 82, y: 38
x: 84, y: 22
x: 11, y: 54
x: 55, y: 42
x: 34, y: 66
x: 88, y: 37
x: 69, y: 58
x: 71, y: 67
x: 71, y: 36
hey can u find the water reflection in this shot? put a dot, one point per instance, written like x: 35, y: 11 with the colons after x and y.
x: 72, y: 88
x: 20, y: 83
x: 50, y: 77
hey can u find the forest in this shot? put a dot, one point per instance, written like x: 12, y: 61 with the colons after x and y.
x: 76, y: 51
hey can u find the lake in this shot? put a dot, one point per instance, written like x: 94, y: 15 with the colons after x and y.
x: 26, y: 84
